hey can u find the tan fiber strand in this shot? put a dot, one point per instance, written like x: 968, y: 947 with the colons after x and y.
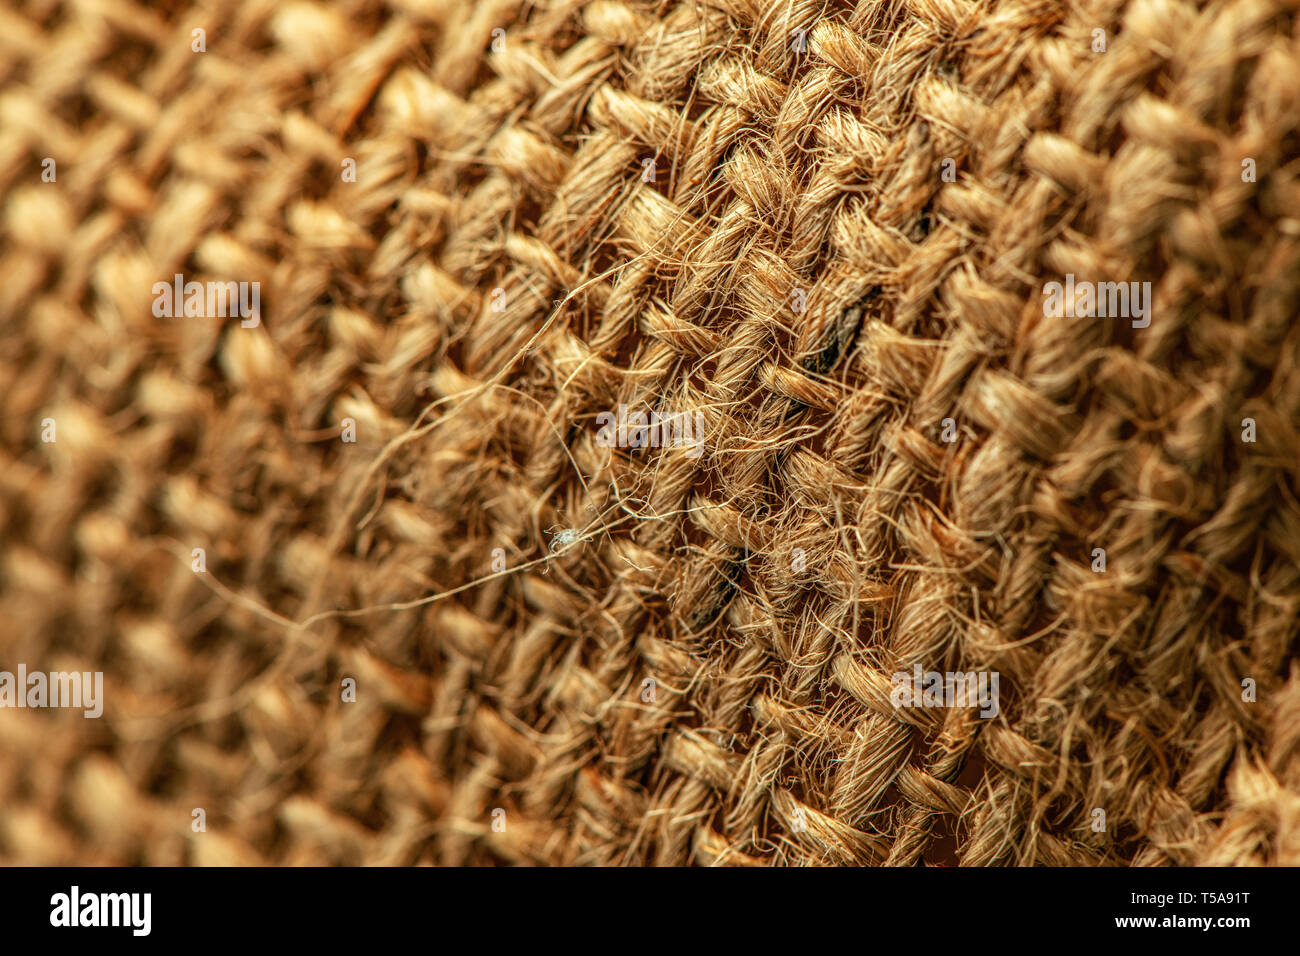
x: 814, y: 240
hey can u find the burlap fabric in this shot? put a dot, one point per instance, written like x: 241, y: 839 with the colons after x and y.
x: 826, y: 228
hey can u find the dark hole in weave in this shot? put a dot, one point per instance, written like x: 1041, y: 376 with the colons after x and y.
x: 942, y: 848
x: 925, y: 222
x: 181, y: 451
x: 823, y: 361
x: 839, y: 335
x: 732, y: 574
x: 421, y: 150
x: 950, y: 835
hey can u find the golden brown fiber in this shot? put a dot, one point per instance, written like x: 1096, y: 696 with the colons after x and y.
x: 822, y: 230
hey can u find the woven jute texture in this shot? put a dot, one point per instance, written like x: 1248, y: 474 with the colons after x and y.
x: 823, y: 231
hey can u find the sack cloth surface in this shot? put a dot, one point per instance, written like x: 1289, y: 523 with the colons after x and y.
x: 396, y: 567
